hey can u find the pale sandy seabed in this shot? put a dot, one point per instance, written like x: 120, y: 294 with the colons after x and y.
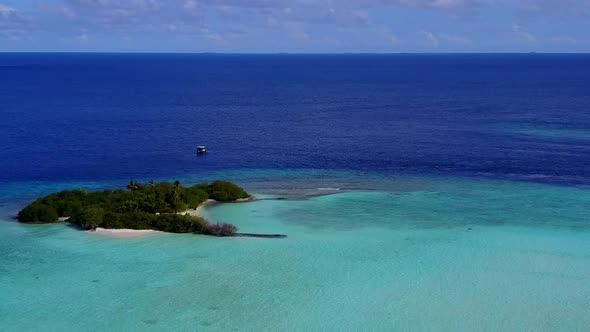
x: 124, y: 233
x: 425, y: 255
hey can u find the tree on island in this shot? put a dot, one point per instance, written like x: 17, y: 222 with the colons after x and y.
x: 152, y: 206
x: 224, y: 191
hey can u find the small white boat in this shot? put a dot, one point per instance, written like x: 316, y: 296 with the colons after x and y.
x: 201, y: 149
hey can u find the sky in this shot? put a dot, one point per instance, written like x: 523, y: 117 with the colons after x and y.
x: 295, y: 26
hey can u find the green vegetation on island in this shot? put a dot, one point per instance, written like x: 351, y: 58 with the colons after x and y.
x: 142, y: 206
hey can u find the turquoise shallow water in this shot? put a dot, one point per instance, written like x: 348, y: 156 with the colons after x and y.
x: 399, y: 253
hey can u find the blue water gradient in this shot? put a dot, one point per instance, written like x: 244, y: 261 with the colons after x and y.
x: 418, y: 192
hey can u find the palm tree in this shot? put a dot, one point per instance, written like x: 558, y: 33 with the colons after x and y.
x: 132, y: 185
x: 176, y: 196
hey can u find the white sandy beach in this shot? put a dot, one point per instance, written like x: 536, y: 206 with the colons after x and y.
x: 197, y: 212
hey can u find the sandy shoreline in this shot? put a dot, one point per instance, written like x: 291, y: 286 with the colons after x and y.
x: 198, y: 211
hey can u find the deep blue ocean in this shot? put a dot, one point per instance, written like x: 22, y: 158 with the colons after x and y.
x: 121, y: 116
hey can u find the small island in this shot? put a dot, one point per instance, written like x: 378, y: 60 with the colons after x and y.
x: 152, y: 206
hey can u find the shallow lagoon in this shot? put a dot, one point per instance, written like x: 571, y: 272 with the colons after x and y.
x: 396, y: 253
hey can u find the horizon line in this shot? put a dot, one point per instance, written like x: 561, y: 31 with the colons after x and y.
x: 295, y: 53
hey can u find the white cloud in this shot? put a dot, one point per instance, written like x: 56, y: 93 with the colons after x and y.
x: 6, y: 11
x: 297, y: 32
x: 430, y: 38
x: 446, y: 4
x: 556, y: 8
x: 564, y: 40
x: 171, y: 27
x: 13, y: 24
x: 454, y: 39
x: 523, y: 34
x: 212, y: 36
x: 433, y: 39
x: 356, y: 24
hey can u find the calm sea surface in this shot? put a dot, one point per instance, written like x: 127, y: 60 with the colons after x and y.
x: 102, y: 116
x: 419, y: 192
